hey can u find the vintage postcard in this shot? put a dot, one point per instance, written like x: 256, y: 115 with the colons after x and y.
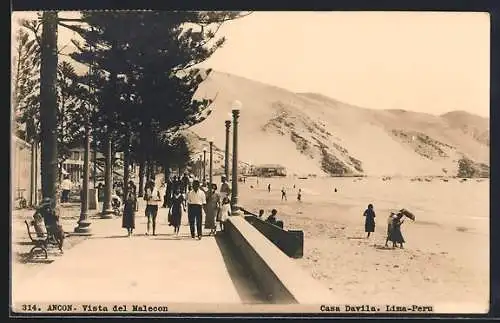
x: 168, y: 162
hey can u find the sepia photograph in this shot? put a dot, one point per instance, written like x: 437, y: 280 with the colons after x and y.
x: 330, y: 162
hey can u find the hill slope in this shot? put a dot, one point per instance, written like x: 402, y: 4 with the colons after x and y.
x: 311, y: 133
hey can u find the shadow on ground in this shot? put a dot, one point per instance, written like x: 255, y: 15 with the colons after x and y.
x: 243, y: 281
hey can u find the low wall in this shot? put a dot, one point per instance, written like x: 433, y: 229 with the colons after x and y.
x: 291, y: 242
x: 278, y: 276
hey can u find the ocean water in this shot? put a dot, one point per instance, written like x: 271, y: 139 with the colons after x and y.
x: 436, y: 202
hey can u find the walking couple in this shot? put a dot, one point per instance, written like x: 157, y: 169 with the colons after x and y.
x: 197, y: 205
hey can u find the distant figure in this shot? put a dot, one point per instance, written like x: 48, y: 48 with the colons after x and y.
x: 185, y: 183
x: 283, y: 194
x: 391, y: 217
x: 299, y: 195
x: 293, y: 186
x: 225, y: 190
x: 152, y: 197
x: 257, y: 182
x: 128, y: 220
x: 335, y: 190
x: 213, y: 205
x: 269, y: 187
x: 224, y: 212
x: 369, y: 215
x: 66, y: 188
x: 261, y: 213
x: 177, y: 206
x: 244, y: 179
x: 196, y: 201
x: 395, y: 234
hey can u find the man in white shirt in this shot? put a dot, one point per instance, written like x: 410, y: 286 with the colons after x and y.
x: 196, y: 201
x: 66, y: 188
x: 153, y: 198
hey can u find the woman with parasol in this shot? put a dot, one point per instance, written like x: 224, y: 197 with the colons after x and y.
x: 394, y: 228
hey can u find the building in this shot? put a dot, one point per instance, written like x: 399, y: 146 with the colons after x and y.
x: 269, y: 170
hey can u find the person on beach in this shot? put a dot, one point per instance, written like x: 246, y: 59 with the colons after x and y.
x: 153, y: 198
x: 269, y: 188
x: 224, y: 212
x: 196, y: 201
x: 395, y: 234
x: 283, y: 193
x: 369, y: 215
x: 389, y: 227
x: 224, y: 188
x: 273, y: 219
x: 299, y: 195
x: 128, y: 220
x: 213, y: 205
x: 178, y: 205
x: 261, y: 213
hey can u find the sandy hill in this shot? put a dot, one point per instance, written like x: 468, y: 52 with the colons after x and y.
x: 311, y: 133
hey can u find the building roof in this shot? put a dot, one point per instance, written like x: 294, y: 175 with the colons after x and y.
x: 270, y: 166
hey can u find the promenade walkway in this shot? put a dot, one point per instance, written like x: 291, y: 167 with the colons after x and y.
x: 111, y: 267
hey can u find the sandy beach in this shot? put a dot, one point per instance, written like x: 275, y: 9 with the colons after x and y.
x: 444, y: 263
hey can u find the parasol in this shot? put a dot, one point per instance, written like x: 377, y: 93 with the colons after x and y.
x: 408, y: 214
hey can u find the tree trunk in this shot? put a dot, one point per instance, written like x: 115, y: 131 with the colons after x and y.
x: 109, y: 178
x: 59, y: 172
x: 126, y: 168
x: 33, y: 175
x: 48, y: 104
x: 142, y: 169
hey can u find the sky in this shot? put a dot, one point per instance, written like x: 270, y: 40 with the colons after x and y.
x: 419, y: 61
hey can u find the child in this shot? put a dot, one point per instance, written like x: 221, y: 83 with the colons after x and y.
x: 224, y: 212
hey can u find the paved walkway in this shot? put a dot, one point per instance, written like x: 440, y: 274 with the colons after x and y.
x: 111, y: 267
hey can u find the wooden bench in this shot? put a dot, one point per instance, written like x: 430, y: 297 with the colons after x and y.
x: 41, y: 243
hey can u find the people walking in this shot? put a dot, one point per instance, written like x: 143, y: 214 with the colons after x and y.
x: 213, y: 205
x: 128, y: 219
x: 178, y: 205
x: 269, y: 188
x: 283, y: 194
x: 153, y: 198
x: 369, y: 215
x: 196, y: 201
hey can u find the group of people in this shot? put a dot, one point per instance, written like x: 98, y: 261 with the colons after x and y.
x: 181, y: 194
x: 394, y: 223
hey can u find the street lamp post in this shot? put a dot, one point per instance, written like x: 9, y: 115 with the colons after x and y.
x: 84, y: 223
x: 204, y: 163
x: 236, y: 107
x: 226, y: 153
x: 210, y: 163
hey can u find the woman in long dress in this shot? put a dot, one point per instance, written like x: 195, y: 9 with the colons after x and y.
x: 395, y: 234
x: 178, y: 205
x: 128, y: 219
x: 369, y: 215
x: 213, y: 205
